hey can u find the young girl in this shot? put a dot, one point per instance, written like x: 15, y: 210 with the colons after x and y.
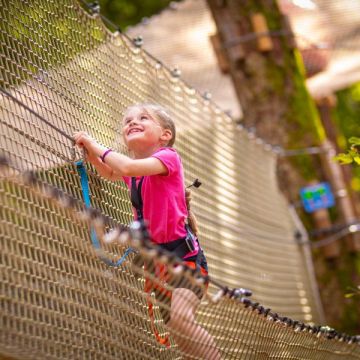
x: 155, y: 178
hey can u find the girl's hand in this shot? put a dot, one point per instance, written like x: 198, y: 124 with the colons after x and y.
x: 93, y: 150
x: 84, y: 140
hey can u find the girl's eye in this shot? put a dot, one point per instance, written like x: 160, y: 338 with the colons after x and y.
x: 142, y: 118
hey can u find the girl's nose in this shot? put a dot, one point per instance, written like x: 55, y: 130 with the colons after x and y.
x: 132, y: 122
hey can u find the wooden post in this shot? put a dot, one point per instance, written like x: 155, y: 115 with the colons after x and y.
x: 322, y: 220
x: 325, y: 106
x: 335, y: 172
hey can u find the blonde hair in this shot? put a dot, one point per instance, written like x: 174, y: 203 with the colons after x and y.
x: 159, y: 113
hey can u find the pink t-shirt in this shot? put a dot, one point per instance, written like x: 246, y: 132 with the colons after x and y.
x: 164, y: 206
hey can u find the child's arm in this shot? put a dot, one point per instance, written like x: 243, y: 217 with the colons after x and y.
x: 117, y: 165
x: 103, y: 169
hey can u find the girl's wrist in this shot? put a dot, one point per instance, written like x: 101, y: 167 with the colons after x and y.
x: 97, y: 149
x: 105, y: 154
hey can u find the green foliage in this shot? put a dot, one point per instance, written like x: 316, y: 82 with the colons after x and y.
x: 353, y: 292
x: 305, y: 165
x: 124, y: 13
x: 347, y: 112
x: 47, y: 49
x: 305, y: 128
x: 346, y: 115
x: 347, y: 272
x: 44, y: 44
x: 352, y: 155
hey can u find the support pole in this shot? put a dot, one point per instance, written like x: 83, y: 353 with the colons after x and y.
x: 335, y: 172
x: 322, y: 220
x: 341, y: 193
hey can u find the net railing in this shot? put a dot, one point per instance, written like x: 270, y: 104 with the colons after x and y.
x: 62, y: 71
x: 38, y: 303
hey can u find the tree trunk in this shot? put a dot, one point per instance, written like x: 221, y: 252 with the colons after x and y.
x: 266, y: 70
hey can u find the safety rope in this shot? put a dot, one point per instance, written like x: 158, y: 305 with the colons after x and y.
x: 12, y: 97
x: 84, y: 181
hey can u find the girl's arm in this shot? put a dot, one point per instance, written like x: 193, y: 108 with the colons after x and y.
x: 103, y: 169
x: 122, y: 165
x: 117, y: 165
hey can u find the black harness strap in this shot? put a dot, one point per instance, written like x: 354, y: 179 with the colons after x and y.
x: 136, y: 198
x: 179, y: 247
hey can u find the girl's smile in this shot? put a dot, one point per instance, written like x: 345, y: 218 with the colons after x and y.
x: 134, y: 130
x: 142, y: 133
x: 140, y: 123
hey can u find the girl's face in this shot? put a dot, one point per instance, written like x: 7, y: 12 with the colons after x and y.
x: 140, y: 130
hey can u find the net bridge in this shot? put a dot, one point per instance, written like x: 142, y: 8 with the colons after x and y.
x: 64, y: 296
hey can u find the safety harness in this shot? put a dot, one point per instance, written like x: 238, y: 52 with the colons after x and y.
x: 179, y: 247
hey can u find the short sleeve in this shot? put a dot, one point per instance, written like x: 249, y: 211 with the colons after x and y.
x: 169, y: 158
x: 127, y: 180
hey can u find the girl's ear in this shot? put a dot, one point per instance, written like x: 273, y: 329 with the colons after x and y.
x: 166, y: 136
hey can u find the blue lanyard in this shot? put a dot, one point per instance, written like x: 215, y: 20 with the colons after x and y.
x: 84, y: 181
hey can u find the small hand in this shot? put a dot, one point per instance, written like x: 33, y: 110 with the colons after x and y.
x: 83, y: 139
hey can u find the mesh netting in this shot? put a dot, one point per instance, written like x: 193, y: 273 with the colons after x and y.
x: 62, y: 71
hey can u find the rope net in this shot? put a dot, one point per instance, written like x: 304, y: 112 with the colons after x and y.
x: 62, y: 71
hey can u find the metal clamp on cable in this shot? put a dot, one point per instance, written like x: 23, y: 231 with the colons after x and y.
x: 240, y: 292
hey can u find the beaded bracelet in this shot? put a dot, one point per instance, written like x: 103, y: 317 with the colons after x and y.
x: 102, y: 157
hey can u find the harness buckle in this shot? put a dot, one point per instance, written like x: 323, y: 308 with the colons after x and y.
x: 190, y: 238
